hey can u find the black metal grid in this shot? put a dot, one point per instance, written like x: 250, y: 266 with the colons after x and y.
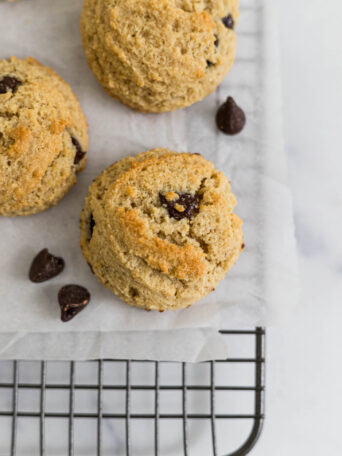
x: 185, y: 387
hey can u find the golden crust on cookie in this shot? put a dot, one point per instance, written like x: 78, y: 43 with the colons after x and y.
x: 159, y: 55
x: 158, y: 229
x: 43, y: 137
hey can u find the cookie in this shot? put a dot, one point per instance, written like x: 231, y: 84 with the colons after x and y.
x: 159, y: 55
x: 158, y: 229
x: 43, y: 137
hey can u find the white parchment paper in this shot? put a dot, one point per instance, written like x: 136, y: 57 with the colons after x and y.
x: 261, y: 289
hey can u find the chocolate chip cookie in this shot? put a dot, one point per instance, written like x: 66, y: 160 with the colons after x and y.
x: 158, y: 229
x: 43, y: 137
x: 159, y: 55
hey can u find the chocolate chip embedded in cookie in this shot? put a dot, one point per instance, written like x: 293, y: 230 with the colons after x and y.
x: 165, y: 230
x: 9, y: 83
x: 159, y: 55
x: 79, y: 152
x: 43, y: 136
x: 180, y: 206
x: 91, y: 226
x: 228, y: 21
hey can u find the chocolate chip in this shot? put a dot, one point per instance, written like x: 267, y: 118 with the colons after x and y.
x: 217, y: 41
x: 243, y: 246
x: 79, y: 152
x: 230, y: 118
x: 190, y: 204
x: 210, y: 64
x: 72, y: 300
x: 228, y: 21
x: 9, y: 83
x: 91, y: 225
x: 45, y: 266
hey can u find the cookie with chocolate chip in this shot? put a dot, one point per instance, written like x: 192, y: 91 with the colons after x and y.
x: 159, y: 55
x: 159, y: 230
x: 43, y: 137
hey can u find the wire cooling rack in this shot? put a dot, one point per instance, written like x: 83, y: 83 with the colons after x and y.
x: 135, y: 408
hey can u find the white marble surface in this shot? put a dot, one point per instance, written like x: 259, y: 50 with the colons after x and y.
x: 304, y: 398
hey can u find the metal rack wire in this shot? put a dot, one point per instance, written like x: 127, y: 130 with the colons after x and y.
x: 17, y: 413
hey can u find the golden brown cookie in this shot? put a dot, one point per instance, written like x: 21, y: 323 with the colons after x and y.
x: 43, y: 137
x: 159, y: 55
x: 158, y: 229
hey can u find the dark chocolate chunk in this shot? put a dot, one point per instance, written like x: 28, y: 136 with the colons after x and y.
x: 185, y: 206
x: 91, y: 225
x: 9, y: 83
x: 79, y: 152
x: 230, y: 118
x: 72, y: 300
x: 228, y: 21
x: 45, y: 266
x: 217, y: 41
x: 210, y: 64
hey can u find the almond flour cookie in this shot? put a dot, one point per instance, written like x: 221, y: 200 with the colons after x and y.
x: 158, y: 229
x: 159, y: 55
x: 43, y: 137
